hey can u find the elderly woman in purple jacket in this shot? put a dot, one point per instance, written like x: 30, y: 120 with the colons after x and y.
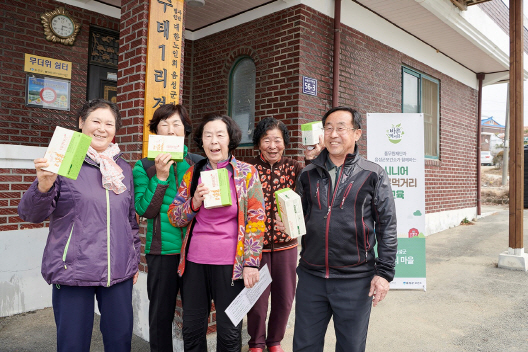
x: 93, y: 246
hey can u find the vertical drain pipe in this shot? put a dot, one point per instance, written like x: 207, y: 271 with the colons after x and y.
x: 480, y: 77
x: 337, y: 49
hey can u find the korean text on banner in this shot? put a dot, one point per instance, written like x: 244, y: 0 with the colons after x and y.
x: 396, y: 142
x: 164, y: 52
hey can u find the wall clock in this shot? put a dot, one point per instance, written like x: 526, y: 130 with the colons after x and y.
x: 59, y: 26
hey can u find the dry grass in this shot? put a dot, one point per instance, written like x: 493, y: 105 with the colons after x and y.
x: 492, y: 191
x: 488, y: 180
x: 495, y: 196
x: 493, y: 171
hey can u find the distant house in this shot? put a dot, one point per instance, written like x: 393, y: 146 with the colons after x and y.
x: 492, y: 126
x: 492, y: 142
x: 492, y: 135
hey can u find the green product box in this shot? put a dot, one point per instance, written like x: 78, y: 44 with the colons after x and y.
x: 311, y: 132
x: 66, y: 152
x: 174, y: 145
x: 219, y: 189
x: 290, y: 211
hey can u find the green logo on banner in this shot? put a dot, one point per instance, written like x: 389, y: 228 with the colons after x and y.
x: 395, y: 134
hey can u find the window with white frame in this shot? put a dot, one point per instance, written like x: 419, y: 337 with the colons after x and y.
x: 420, y: 93
x: 242, y: 97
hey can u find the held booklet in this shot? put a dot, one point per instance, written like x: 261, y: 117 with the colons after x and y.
x: 290, y: 211
x: 166, y: 144
x: 66, y: 152
x: 247, y: 298
x: 219, y: 189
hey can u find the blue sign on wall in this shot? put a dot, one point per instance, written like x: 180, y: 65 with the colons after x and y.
x: 309, y: 86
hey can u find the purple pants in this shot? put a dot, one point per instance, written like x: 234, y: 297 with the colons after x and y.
x: 281, y: 265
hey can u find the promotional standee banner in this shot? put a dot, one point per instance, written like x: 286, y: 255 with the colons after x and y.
x: 396, y: 142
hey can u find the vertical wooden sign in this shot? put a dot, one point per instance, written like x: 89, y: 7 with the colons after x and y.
x: 162, y: 82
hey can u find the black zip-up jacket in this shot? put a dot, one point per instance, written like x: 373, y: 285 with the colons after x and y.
x: 343, y: 226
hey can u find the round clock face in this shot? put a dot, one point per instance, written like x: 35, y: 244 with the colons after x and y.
x: 62, y: 26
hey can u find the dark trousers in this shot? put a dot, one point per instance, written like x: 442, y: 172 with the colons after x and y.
x: 318, y: 299
x: 201, y: 283
x: 281, y: 265
x: 73, y: 307
x: 163, y: 284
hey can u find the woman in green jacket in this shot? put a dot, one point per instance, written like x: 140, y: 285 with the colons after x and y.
x: 156, y: 182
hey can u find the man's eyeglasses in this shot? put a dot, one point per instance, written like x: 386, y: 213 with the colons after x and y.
x: 339, y: 130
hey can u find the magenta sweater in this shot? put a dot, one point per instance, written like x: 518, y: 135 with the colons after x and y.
x: 214, y: 237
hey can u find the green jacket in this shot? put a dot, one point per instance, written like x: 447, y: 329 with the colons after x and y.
x: 153, y: 197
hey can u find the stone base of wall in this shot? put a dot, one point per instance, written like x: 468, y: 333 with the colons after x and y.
x: 436, y: 222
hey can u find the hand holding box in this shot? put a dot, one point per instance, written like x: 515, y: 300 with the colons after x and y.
x: 290, y: 211
x: 173, y: 145
x: 219, y: 188
x: 311, y: 132
x: 66, y: 152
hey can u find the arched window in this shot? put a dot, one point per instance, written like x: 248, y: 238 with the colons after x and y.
x: 242, y: 96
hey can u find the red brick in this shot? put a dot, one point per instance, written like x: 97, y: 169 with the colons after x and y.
x: 10, y: 178
x: 30, y: 41
x: 31, y: 226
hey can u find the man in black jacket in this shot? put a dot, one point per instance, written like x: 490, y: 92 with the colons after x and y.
x: 348, y: 207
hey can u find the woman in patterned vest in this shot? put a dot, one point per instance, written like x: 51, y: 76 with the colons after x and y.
x: 280, y: 251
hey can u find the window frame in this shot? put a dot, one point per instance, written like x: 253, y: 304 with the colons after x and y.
x: 230, y: 94
x: 421, y: 76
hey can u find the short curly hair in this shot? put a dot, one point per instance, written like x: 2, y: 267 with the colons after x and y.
x: 233, y: 131
x: 92, y: 105
x: 167, y: 110
x: 267, y: 124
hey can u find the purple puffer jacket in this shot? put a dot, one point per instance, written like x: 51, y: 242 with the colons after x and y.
x: 93, y: 234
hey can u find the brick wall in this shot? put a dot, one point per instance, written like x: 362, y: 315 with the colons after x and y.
x: 131, y: 76
x: 299, y: 41
x: 316, y: 52
x: 13, y: 183
x: 21, y: 32
x: 273, y: 43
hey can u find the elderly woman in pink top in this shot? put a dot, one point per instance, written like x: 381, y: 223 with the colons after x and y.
x: 222, y: 248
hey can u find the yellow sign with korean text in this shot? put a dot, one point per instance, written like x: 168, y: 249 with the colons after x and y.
x: 164, y: 51
x: 47, y: 66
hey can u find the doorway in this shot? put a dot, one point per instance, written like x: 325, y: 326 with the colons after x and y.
x: 102, y: 65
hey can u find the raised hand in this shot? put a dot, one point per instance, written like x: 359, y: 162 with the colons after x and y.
x: 46, y: 179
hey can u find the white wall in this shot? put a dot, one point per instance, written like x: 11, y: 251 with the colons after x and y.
x: 14, y: 156
x: 436, y: 222
x: 140, y: 303
x: 22, y: 287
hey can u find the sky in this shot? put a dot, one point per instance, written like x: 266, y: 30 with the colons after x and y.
x: 494, y: 102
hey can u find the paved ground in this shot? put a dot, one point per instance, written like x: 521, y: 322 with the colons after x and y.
x: 470, y: 304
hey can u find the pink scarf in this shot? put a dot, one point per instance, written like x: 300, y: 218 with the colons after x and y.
x: 112, y: 173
